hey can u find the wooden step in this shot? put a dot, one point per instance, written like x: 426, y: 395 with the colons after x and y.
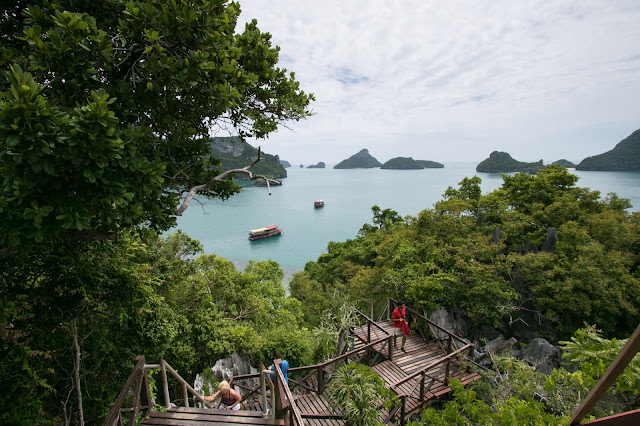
x: 180, y: 416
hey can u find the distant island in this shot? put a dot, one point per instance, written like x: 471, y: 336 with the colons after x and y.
x: 234, y: 153
x: 501, y: 162
x: 408, y: 163
x: 430, y: 164
x: 624, y: 156
x: 285, y: 164
x: 361, y: 160
x: 320, y: 165
x: 564, y: 163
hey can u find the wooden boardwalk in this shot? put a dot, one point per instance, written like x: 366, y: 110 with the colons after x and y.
x: 418, y: 375
x: 318, y: 410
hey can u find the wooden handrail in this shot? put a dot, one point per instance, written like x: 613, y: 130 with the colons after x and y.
x: 136, y: 375
x: 433, y: 364
x: 289, y: 404
x: 369, y: 320
x: 433, y: 323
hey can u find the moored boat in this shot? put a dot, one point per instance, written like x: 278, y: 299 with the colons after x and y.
x: 267, y: 231
x: 318, y: 203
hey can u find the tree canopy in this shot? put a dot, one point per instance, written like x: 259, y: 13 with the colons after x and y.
x: 106, y: 105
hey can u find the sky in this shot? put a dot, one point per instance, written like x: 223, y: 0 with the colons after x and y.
x: 456, y: 80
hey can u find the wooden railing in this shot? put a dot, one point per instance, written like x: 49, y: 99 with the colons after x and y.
x: 314, y: 378
x: 141, y: 399
x: 433, y: 331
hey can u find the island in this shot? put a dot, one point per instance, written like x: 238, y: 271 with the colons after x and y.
x: 361, y: 160
x: 501, y: 162
x: 285, y: 164
x: 565, y: 163
x: 430, y: 164
x: 624, y: 156
x: 234, y: 153
x: 320, y: 165
x: 402, y: 163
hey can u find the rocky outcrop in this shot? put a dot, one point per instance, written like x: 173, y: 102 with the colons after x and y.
x: 320, y: 165
x: 542, y: 355
x: 361, y: 160
x: 224, y: 369
x: 234, y: 153
x: 285, y: 164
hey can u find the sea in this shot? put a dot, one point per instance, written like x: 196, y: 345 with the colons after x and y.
x: 223, y: 226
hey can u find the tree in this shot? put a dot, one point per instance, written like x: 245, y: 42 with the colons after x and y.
x: 106, y: 106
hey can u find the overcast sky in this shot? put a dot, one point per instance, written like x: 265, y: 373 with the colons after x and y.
x: 456, y: 80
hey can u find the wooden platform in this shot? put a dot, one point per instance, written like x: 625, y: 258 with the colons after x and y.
x: 180, y: 416
x: 417, y: 355
x: 319, y: 410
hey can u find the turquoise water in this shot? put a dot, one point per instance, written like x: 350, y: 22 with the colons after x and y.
x: 223, y: 227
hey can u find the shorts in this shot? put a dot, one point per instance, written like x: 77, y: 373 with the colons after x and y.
x: 397, y: 331
x: 235, y: 407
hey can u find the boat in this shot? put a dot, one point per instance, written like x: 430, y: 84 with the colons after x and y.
x: 267, y: 231
x: 319, y: 203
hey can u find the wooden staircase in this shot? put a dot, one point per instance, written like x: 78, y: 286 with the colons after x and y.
x: 180, y: 416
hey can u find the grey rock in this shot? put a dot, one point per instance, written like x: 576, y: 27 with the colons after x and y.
x: 543, y: 355
x: 495, y: 237
x: 549, y: 244
x: 224, y: 369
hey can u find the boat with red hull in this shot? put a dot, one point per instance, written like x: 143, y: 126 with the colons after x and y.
x: 319, y: 203
x: 266, y: 232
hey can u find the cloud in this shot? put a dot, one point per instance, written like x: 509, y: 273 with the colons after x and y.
x: 457, y: 80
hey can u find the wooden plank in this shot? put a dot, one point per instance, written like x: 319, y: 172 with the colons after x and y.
x: 306, y: 407
x: 208, y: 411
x: 196, y: 419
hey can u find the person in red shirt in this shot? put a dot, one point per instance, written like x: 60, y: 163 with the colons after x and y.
x: 398, y: 318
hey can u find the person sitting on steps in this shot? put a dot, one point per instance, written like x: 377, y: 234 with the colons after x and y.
x: 398, y: 318
x: 230, y: 398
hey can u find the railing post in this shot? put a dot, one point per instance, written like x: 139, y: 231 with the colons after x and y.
x: 263, y: 394
x: 389, y: 309
x: 368, y: 331
x: 165, y: 383
x: 422, y: 386
x: 185, y: 394
x: 403, y: 401
x: 449, y: 345
x: 390, y: 346
x: 320, y: 380
x: 446, y: 374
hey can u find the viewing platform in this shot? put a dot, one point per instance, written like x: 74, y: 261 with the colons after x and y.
x: 418, y: 376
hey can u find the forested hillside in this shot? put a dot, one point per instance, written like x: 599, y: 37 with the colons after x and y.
x: 481, y: 254
x: 105, y: 109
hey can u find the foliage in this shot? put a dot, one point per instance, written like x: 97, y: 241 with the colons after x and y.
x: 89, y: 140
x: 466, y: 408
x: 358, y: 392
x: 468, y: 252
x: 624, y: 156
x: 592, y: 354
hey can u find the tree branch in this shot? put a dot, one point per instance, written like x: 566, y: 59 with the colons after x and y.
x: 221, y: 178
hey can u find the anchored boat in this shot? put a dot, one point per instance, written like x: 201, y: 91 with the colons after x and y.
x: 319, y: 203
x: 268, y: 231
